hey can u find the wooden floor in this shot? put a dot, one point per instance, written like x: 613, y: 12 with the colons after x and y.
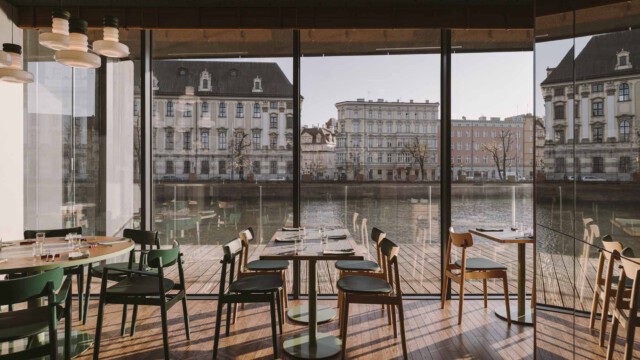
x: 432, y: 333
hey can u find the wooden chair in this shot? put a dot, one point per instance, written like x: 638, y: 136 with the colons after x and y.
x: 26, y: 323
x: 625, y: 311
x: 146, y: 240
x: 146, y: 288
x: 249, y: 289
x: 471, y: 269
x: 78, y: 271
x: 358, y: 289
x: 606, y: 283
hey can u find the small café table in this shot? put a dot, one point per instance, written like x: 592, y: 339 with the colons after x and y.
x: 521, y: 315
x: 19, y: 259
x: 311, y: 344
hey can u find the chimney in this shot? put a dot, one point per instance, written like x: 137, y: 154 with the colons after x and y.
x: 550, y: 70
x: 380, y: 100
x: 360, y: 100
x: 464, y: 118
x: 411, y: 101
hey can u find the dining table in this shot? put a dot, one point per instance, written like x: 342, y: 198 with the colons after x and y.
x: 285, y: 245
x: 522, y: 315
x: 17, y: 257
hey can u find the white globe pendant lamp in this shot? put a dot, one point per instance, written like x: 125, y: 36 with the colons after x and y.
x: 58, y: 38
x: 14, y: 73
x: 77, y: 54
x: 110, y: 46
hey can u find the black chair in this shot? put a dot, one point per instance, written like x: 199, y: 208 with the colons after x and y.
x: 26, y: 323
x: 147, y: 240
x: 78, y: 271
x: 146, y: 288
x: 250, y: 289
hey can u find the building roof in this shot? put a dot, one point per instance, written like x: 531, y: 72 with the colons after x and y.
x: 233, y: 79
x: 313, y: 131
x: 598, y: 58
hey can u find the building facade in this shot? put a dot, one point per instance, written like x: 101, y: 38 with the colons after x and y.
x: 318, y: 157
x: 221, y: 121
x: 596, y: 115
x: 382, y: 140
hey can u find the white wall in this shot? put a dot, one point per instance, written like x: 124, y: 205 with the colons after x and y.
x: 11, y: 144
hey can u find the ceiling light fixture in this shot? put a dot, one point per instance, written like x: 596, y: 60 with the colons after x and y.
x: 58, y: 38
x: 5, y: 59
x: 77, y: 54
x: 110, y: 46
x: 14, y: 73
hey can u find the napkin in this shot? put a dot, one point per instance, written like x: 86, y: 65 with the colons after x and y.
x: 339, y: 252
x: 337, y: 237
x: 291, y: 229
x: 286, y: 239
x: 489, y: 229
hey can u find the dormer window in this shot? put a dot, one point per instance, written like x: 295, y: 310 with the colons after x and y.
x: 624, y: 61
x: 154, y: 83
x: 205, y: 81
x: 257, y: 84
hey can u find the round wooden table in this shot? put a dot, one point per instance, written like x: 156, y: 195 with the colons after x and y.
x: 19, y: 259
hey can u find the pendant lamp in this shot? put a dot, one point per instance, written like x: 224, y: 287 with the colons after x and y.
x: 58, y: 38
x: 77, y: 54
x: 14, y: 73
x: 110, y: 46
x: 5, y: 59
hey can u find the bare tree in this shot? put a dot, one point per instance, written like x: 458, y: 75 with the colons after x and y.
x: 500, y: 151
x: 420, y: 153
x: 239, y: 159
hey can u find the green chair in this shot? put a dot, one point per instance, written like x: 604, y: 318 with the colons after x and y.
x: 146, y: 288
x: 26, y: 323
x: 78, y: 271
x: 146, y: 240
x: 250, y: 289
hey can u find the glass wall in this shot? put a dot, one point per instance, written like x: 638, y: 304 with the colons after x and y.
x: 369, y: 144
x: 587, y: 155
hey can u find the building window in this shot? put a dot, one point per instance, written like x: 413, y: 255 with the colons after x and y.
x: 186, y: 140
x: 597, y: 108
x: 188, y: 108
x: 289, y: 122
x: 389, y: 127
x: 239, y: 110
x: 222, y: 140
x: 558, y: 111
x: 256, y: 140
x: 273, y: 141
x: 597, y: 88
x: 136, y: 108
x: 205, y: 108
x: 256, y: 110
x: 169, y: 167
x: 204, y: 167
x: 370, y: 127
x: 255, y: 167
x: 623, y: 92
x: 624, y: 166
x: 169, y: 108
x: 289, y: 168
x: 558, y: 91
x: 560, y: 166
x: 598, y: 165
x: 389, y: 157
x: 222, y: 109
x: 168, y: 144
x: 273, y: 105
x: 576, y: 109
x: 625, y: 131
x: 222, y: 167
x: 257, y: 84
x: 154, y: 140
x: 559, y: 139
x: 459, y: 159
x: 154, y: 108
x: 186, y: 167
x: 204, y: 139
x: 598, y: 134
x: 273, y: 121
x: 273, y: 167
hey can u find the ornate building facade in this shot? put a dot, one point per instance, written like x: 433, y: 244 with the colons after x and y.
x: 318, y: 157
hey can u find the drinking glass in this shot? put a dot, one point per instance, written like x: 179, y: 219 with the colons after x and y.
x: 40, y: 243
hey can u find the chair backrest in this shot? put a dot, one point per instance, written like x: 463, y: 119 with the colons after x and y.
x: 231, y: 249
x: 631, y: 270
x: 377, y: 236
x: 31, y: 234
x: 460, y: 240
x: 610, y: 246
x: 162, y: 258
x: 27, y: 288
x: 143, y: 238
x: 355, y: 224
x: 594, y: 233
x: 245, y: 236
x: 390, y: 252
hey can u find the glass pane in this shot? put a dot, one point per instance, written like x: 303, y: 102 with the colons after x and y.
x: 222, y: 137
x: 369, y: 144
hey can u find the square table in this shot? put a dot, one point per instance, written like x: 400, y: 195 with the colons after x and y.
x: 312, y: 344
x: 522, y: 315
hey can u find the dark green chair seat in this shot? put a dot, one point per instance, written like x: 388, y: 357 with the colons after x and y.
x: 23, y: 323
x: 139, y: 286
x: 481, y: 264
x: 357, y: 265
x: 268, y: 265
x: 256, y: 284
x: 364, y: 284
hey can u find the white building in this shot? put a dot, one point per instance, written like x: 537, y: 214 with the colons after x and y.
x: 318, y: 153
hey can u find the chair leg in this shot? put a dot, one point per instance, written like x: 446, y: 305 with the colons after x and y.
x: 123, y: 326
x: 603, y: 320
x: 216, y: 337
x: 165, y: 331
x: 345, y: 322
x: 612, y: 338
x: 67, y: 332
x: 444, y: 292
x: 403, y: 337
x: 628, y: 342
x: 134, y: 317
x: 279, y: 308
x: 228, y: 320
x: 594, y: 308
x: 87, y: 293
x: 235, y: 313
x: 80, y: 284
x: 284, y: 289
x: 484, y: 290
x: 185, y: 314
x: 274, y: 335
x: 505, y: 285
x: 96, y: 341
x: 461, y: 301
x: 393, y: 318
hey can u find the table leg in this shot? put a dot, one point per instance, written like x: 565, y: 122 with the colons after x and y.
x: 312, y: 344
x: 521, y: 315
